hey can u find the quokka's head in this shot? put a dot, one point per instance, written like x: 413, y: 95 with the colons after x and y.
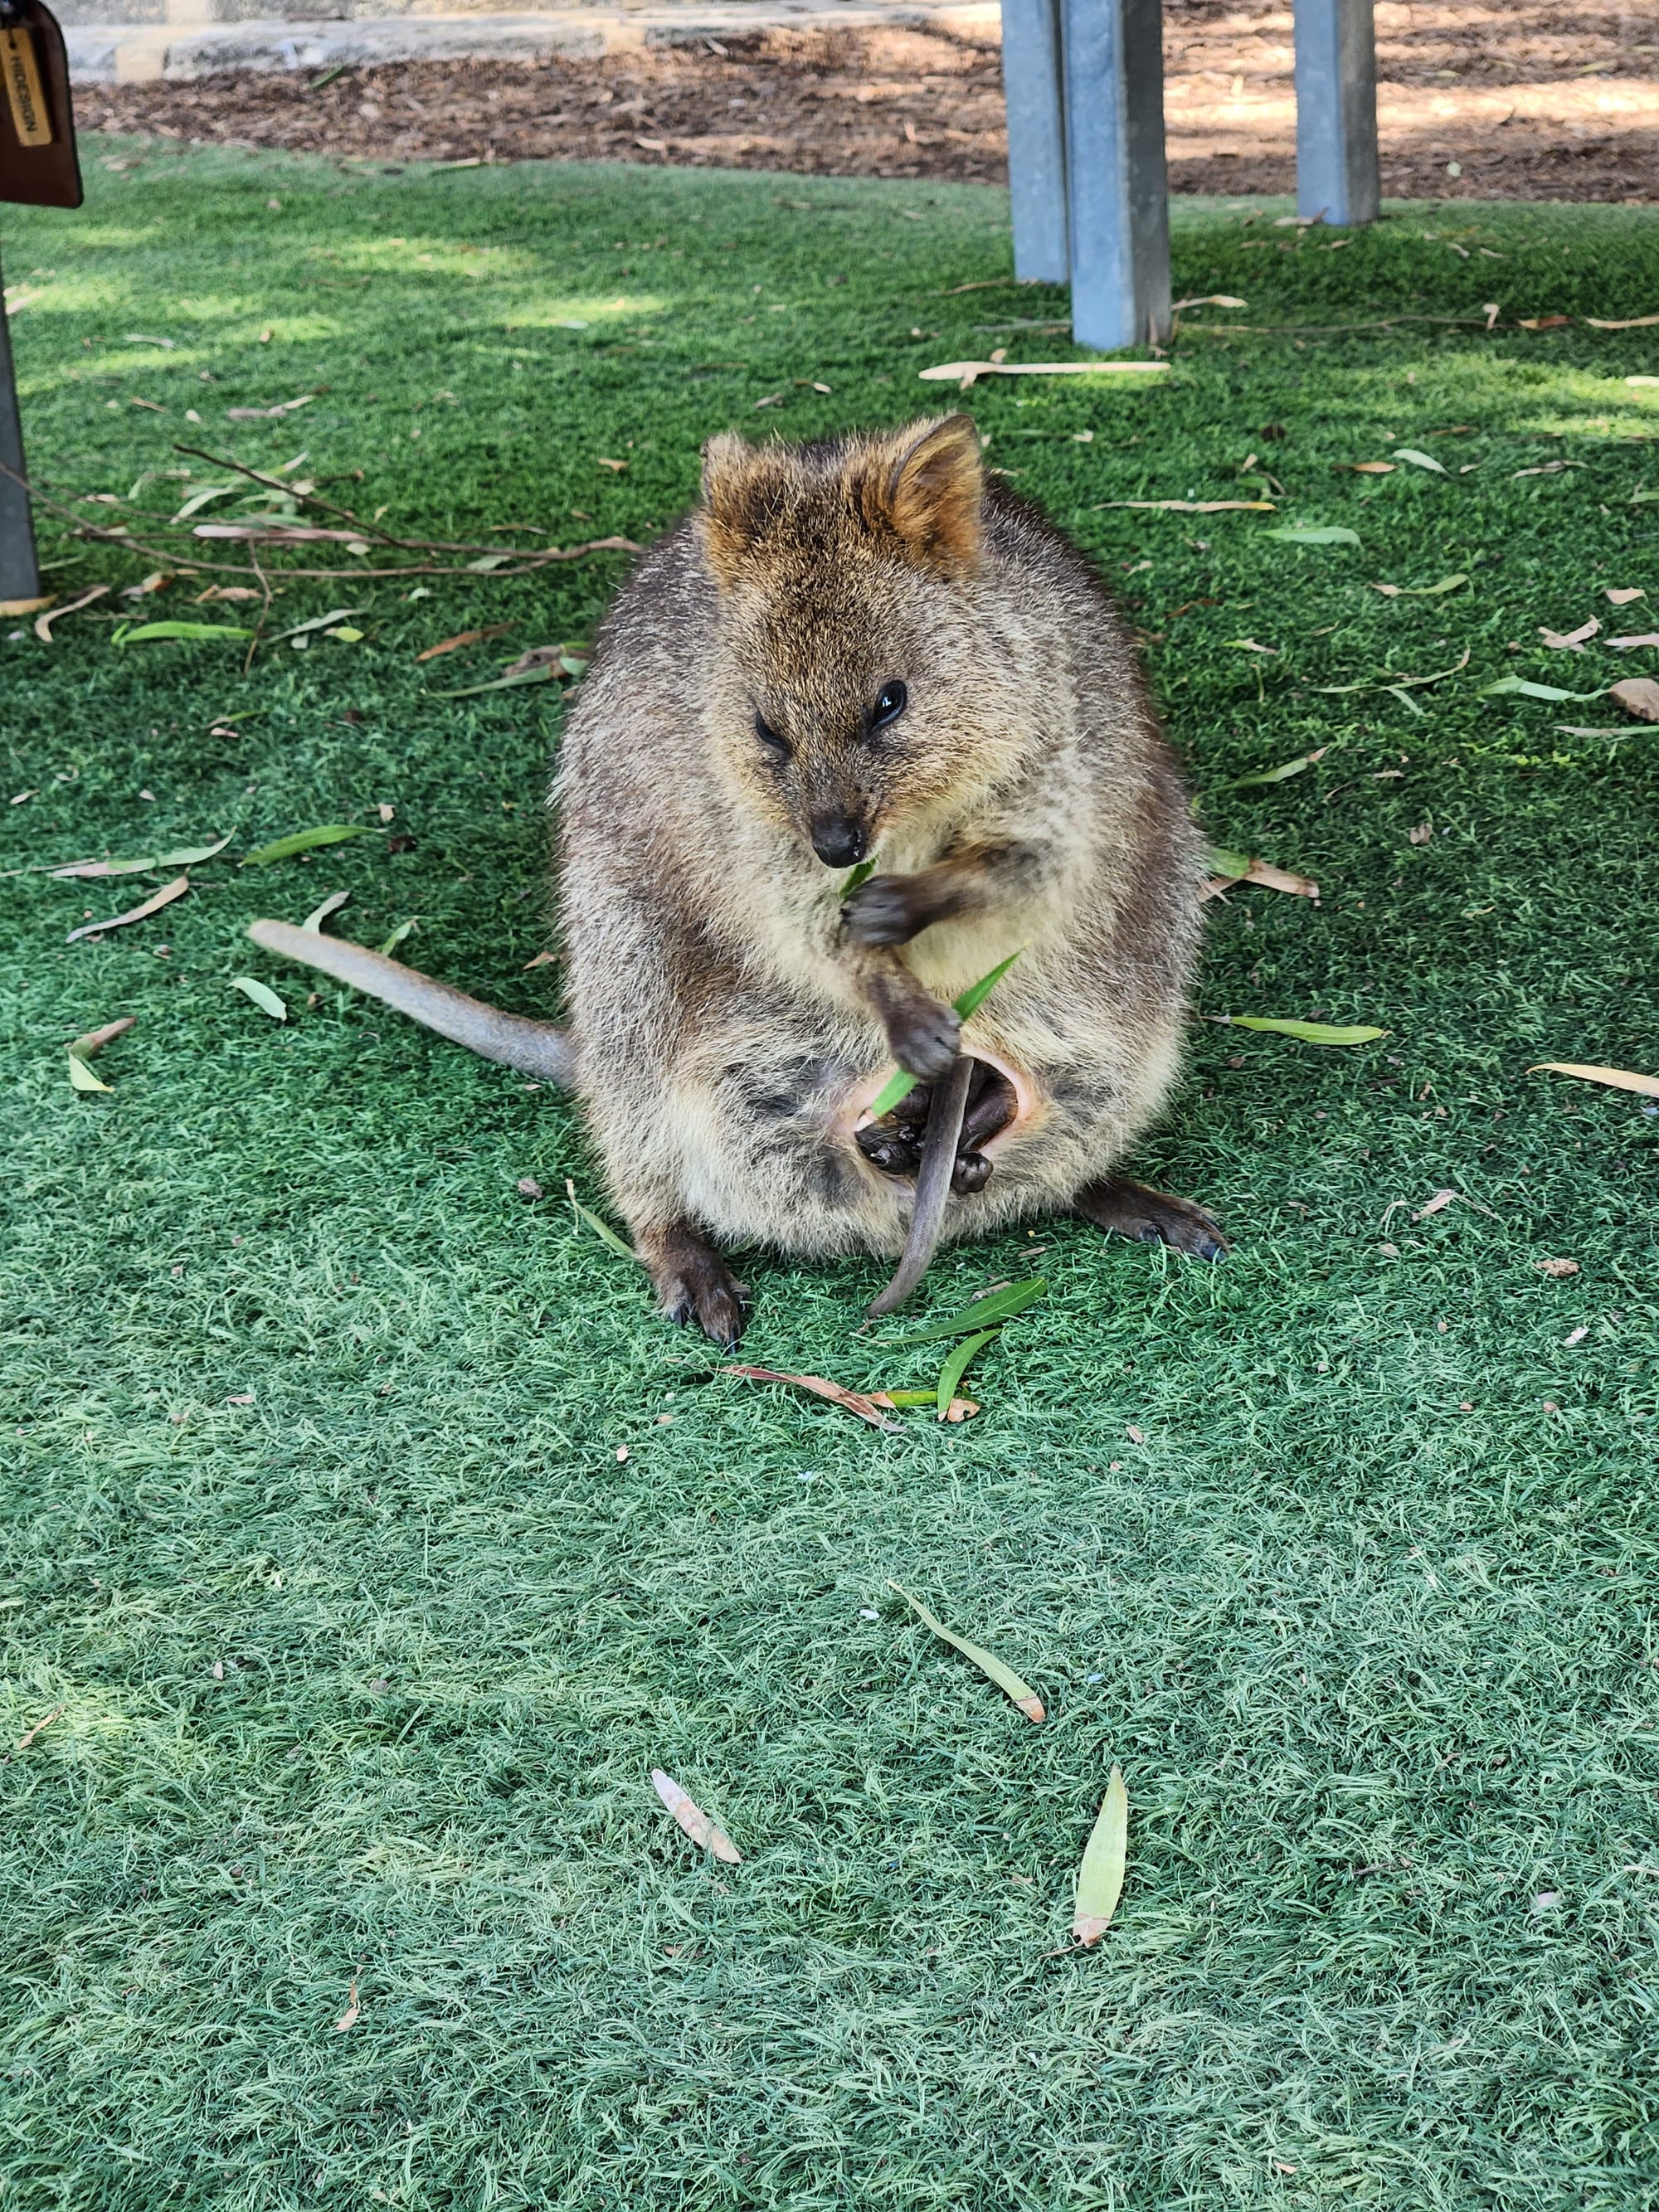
x: 849, y: 693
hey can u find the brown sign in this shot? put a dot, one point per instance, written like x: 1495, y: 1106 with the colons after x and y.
x: 38, y: 163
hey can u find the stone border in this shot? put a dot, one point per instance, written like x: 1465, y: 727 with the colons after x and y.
x: 144, y: 53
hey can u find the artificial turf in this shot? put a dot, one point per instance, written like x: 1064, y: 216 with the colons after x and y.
x: 318, y: 1530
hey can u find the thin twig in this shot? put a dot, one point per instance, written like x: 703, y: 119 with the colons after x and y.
x: 365, y: 529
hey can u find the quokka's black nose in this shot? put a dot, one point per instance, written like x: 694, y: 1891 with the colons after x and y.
x: 839, y: 843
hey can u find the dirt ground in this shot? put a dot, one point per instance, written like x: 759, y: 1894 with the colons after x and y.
x: 1477, y: 99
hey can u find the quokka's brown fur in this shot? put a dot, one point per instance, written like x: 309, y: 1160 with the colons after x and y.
x: 731, y: 1015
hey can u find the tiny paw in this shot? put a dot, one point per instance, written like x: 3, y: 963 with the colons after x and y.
x: 880, y: 913
x: 713, y: 1299
x: 923, y: 1037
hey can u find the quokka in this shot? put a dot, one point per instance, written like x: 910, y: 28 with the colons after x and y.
x: 861, y: 650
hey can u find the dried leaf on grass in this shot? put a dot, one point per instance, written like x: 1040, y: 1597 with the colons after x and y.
x: 1208, y: 300
x: 1638, y: 695
x: 319, y: 915
x: 10, y: 607
x: 153, y: 904
x: 1631, y: 323
x: 988, y: 1312
x: 1571, y: 640
x: 1420, y: 460
x: 1630, y: 644
x: 956, y: 1366
x: 860, y: 1404
x: 1616, y: 1078
x: 695, y: 1821
x: 1308, y: 1032
x: 1622, y: 596
x: 1100, y: 1876
x: 85, y: 871
x: 1397, y: 683
x: 464, y: 637
x: 1558, y: 1270
x: 86, y: 1048
x: 1443, y: 1199
x: 602, y: 1230
x: 262, y: 996
x: 901, y: 1084
x: 43, y: 623
x: 304, y: 840
x: 1420, y: 591
x: 40, y: 1728
x: 989, y: 1665
x: 1240, y: 868
x: 354, y: 2011
x: 1198, y: 505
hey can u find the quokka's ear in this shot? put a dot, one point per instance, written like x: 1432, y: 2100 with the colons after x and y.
x: 735, y: 479
x: 927, y: 486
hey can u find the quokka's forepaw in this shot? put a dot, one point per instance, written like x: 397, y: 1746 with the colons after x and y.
x: 922, y: 1035
x: 882, y: 912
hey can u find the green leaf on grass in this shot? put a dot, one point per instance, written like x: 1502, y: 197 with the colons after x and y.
x: 900, y: 1085
x: 145, y: 632
x: 1324, y: 535
x: 84, y: 870
x: 83, y: 1079
x: 398, y: 935
x: 1309, y: 1032
x: 1282, y: 774
x: 602, y: 1230
x: 304, y: 840
x: 1100, y: 1876
x: 910, y: 1397
x: 956, y: 1366
x: 988, y: 1312
x: 988, y: 1664
x: 1519, y: 686
x: 318, y: 621
x: 548, y: 674
x: 262, y: 996
x: 1233, y: 866
x: 1405, y: 699
x: 1420, y: 460
x: 1420, y: 590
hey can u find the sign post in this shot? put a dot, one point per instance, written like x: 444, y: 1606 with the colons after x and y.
x: 37, y: 168
x: 1337, y: 178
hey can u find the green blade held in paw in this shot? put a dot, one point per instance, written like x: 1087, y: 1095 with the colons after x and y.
x: 988, y: 1312
x: 971, y: 1000
x: 861, y: 874
x: 1308, y: 1032
x: 262, y: 996
x: 956, y: 1366
x: 602, y: 1230
x: 1100, y: 1877
x: 988, y: 1664
x: 304, y: 840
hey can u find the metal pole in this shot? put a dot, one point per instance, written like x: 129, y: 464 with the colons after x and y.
x: 1113, y: 53
x: 1336, y: 171
x: 1034, y: 94
x: 20, y: 576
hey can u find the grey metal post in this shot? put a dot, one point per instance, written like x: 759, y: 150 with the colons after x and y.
x: 1034, y: 90
x: 1113, y: 53
x: 20, y: 576
x: 1336, y: 171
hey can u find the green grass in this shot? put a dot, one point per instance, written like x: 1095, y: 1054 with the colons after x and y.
x: 1338, y: 1547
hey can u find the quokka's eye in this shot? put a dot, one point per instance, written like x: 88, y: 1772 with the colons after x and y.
x: 769, y: 737
x: 890, y: 706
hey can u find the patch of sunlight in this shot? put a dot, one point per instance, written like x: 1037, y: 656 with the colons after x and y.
x: 555, y: 314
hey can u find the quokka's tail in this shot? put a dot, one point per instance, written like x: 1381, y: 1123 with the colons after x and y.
x: 533, y: 1048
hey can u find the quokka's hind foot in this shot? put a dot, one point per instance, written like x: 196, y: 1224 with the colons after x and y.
x: 694, y: 1283
x: 1129, y: 1209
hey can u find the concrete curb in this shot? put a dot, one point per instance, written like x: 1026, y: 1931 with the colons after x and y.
x: 145, y: 54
